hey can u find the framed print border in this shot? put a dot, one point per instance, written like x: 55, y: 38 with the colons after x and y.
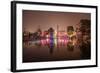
x: 14, y: 34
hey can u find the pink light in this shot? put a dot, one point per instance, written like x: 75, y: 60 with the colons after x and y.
x: 60, y: 39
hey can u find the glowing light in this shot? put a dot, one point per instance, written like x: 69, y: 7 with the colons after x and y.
x: 57, y: 38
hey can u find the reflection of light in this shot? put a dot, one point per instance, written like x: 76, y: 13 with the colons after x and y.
x: 55, y: 37
x: 55, y: 41
x: 47, y: 40
x: 58, y: 39
x: 62, y: 40
x: 55, y: 33
x: 42, y: 42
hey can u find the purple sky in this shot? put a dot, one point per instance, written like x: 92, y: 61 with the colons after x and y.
x: 46, y: 19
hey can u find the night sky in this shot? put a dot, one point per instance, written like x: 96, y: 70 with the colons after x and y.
x: 46, y: 19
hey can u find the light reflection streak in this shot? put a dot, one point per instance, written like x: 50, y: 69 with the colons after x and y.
x: 58, y: 39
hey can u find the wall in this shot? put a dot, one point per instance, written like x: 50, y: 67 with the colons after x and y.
x: 5, y: 36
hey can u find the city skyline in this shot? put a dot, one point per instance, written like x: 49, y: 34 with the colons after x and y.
x: 55, y: 36
x: 46, y: 19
